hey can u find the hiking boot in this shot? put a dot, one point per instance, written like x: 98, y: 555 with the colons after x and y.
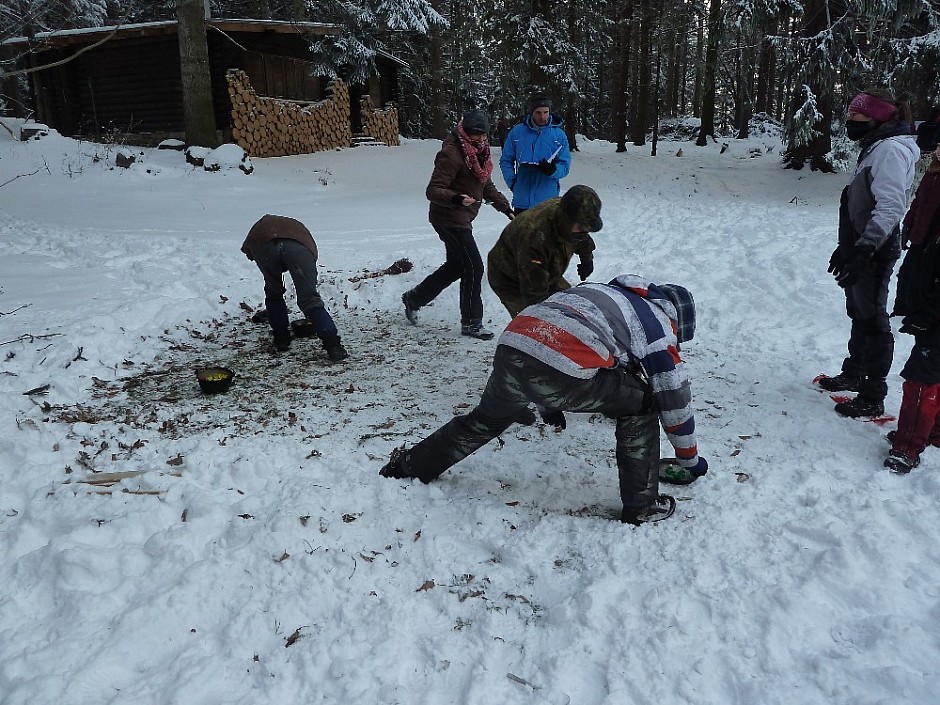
x: 526, y: 417
x: 661, y: 508
x: 334, y: 348
x: 282, y: 340
x: 840, y: 383
x: 672, y: 473
x: 476, y: 330
x: 395, y: 467
x: 900, y: 463
x: 411, y: 311
x: 859, y: 407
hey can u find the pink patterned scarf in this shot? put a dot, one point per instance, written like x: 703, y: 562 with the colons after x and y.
x: 476, y: 156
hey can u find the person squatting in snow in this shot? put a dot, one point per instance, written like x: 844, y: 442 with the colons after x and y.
x: 608, y: 348
x: 870, y: 213
x: 918, y: 301
x: 279, y: 244
x: 459, y: 184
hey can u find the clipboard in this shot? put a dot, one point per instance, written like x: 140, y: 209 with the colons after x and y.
x: 554, y: 154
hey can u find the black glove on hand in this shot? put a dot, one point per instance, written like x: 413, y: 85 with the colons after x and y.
x: 854, y: 266
x: 585, y: 268
x: 553, y: 418
x: 546, y: 167
x: 836, y: 262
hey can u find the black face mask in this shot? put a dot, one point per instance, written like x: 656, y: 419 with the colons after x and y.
x: 857, y: 130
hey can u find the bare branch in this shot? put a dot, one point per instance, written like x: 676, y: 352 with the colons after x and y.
x: 18, y: 176
x: 34, y: 69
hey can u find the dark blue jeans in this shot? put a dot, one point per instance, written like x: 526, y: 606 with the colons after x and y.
x: 286, y: 255
x: 463, y: 262
x: 516, y: 380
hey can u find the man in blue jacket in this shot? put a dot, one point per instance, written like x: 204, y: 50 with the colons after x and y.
x: 535, y: 156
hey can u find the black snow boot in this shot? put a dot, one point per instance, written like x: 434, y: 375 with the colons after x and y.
x: 476, y: 330
x: 282, y: 340
x: 661, y: 508
x: 334, y: 348
x: 860, y: 407
x: 411, y: 311
x: 840, y: 383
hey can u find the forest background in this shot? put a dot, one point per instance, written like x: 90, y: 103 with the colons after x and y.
x: 617, y: 69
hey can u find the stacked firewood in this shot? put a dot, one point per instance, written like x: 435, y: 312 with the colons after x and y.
x: 381, y: 125
x: 271, y: 127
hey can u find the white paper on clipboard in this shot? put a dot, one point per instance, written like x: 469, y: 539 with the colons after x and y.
x: 554, y: 154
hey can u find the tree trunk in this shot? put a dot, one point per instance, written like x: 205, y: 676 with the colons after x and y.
x: 572, y: 122
x: 198, y: 114
x: 641, y: 101
x: 436, y: 80
x: 622, y: 78
x: 708, y: 76
x: 817, y: 21
x: 699, y: 68
x: 538, y: 76
x: 742, y: 93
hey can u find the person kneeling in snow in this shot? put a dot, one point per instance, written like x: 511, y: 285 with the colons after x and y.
x: 596, y: 348
x: 279, y: 244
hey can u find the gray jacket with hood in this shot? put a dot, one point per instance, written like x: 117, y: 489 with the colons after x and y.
x: 877, y: 197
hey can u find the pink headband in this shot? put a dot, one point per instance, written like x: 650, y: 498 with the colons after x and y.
x: 874, y: 107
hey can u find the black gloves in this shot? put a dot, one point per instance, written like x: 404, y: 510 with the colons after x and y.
x: 553, y: 418
x: 546, y: 167
x: 585, y: 268
x: 848, y: 272
x: 836, y: 262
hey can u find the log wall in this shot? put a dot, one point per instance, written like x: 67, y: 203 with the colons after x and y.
x: 270, y: 127
x: 381, y: 125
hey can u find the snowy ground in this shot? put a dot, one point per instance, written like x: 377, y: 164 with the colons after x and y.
x: 253, y: 555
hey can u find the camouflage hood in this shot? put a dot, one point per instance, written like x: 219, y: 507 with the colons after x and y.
x: 582, y: 205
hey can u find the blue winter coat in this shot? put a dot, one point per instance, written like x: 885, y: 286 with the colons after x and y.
x: 525, y: 145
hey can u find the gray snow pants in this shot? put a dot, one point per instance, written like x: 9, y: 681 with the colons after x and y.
x: 517, y: 379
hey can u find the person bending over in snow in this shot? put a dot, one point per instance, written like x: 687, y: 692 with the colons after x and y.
x: 279, y: 244
x: 918, y: 301
x: 528, y: 262
x: 609, y: 348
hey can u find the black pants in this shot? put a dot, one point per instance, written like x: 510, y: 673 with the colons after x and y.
x: 285, y: 255
x: 516, y: 380
x: 463, y: 262
x: 871, y: 342
x: 924, y: 363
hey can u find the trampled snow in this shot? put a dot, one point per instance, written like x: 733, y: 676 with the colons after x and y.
x: 246, y: 550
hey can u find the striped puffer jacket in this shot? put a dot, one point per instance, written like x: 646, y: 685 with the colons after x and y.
x: 595, y: 326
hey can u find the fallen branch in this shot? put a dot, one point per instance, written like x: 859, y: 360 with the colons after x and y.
x: 41, y: 389
x: 19, y: 176
x: 385, y: 434
x: 18, y: 308
x: 398, y: 267
x: 30, y: 337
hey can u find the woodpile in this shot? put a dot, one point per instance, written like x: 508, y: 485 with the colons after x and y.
x: 272, y: 127
x: 381, y: 125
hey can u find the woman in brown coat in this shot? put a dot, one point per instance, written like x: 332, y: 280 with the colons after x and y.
x: 459, y: 185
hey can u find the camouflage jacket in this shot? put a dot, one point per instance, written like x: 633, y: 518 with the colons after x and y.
x: 528, y: 262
